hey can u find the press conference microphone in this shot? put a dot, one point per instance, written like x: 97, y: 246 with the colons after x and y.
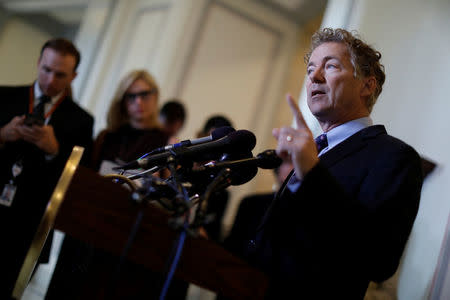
x: 202, y: 177
x: 236, y: 141
x: 264, y: 160
x: 237, y: 175
x: 268, y: 159
x: 242, y: 175
x: 215, y: 135
x: 242, y: 169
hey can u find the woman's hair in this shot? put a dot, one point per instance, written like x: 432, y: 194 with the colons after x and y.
x: 365, y: 59
x: 118, y: 114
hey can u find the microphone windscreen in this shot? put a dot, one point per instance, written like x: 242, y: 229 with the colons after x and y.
x: 269, y: 160
x: 240, y: 174
x: 221, y: 132
x: 242, y: 140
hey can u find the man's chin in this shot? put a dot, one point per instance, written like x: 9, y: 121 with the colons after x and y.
x: 50, y: 93
x: 320, y: 112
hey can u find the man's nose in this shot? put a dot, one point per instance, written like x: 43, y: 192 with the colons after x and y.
x: 51, y: 78
x: 316, y: 75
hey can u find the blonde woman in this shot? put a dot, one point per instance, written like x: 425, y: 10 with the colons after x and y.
x: 132, y: 121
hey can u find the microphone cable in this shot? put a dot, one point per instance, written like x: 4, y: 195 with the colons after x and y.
x: 178, y: 246
x: 131, y: 237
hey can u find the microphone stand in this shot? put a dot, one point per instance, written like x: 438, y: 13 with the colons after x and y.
x: 200, y: 214
x: 139, y: 175
x: 181, y: 224
x: 138, y: 199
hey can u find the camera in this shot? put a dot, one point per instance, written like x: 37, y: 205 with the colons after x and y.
x: 31, y: 120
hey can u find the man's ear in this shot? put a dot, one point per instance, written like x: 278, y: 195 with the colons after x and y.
x: 369, y: 85
x: 74, y: 75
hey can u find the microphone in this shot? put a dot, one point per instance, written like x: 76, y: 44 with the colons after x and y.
x: 201, y: 177
x: 242, y: 168
x: 268, y: 159
x: 215, y: 135
x: 237, y: 141
x: 240, y: 174
x: 264, y: 160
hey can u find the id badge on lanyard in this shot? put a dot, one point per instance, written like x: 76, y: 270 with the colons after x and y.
x: 9, y: 191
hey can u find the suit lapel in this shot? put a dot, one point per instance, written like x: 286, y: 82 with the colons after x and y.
x: 351, y: 145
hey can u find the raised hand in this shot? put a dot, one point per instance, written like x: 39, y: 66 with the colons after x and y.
x: 297, y: 143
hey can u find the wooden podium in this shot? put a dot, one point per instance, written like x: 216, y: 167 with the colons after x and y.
x: 99, y: 212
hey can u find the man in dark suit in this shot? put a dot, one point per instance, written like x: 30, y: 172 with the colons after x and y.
x: 39, y: 125
x: 343, y: 217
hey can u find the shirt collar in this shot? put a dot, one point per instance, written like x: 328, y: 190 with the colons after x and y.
x: 38, y: 93
x: 344, y: 131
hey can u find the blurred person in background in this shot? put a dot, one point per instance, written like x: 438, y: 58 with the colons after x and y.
x: 132, y: 128
x: 172, y: 117
x: 39, y: 126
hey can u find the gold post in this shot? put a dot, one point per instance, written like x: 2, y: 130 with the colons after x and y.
x: 47, y: 222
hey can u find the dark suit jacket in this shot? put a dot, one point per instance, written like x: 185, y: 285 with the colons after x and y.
x: 347, y: 224
x: 248, y: 218
x: 72, y: 126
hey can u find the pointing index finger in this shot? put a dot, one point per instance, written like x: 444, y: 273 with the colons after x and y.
x: 298, y: 116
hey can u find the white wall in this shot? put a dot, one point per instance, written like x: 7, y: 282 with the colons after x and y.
x: 414, y: 39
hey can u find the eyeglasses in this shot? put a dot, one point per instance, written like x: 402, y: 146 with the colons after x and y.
x: 144, y: 95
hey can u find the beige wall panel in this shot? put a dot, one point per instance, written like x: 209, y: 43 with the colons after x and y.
x: 230, y: 65
x: 143, y: 39
x: 20, y: 45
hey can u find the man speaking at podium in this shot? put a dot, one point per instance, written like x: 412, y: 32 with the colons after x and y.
x: 39, y: 125
x: 343, y: 216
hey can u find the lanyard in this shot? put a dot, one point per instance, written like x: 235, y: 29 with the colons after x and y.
x: 54, y: 106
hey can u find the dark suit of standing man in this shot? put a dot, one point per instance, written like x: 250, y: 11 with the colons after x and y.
x: 36, y: 151
x: 344, y: 215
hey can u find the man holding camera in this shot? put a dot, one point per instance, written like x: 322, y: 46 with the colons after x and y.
x: 39, y: 125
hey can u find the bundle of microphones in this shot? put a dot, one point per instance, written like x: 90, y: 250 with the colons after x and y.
x: 198, y: 168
